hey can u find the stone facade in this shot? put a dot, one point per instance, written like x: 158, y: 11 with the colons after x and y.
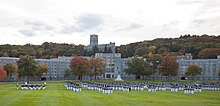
x: 209, y: 67
x: 56, y: 67
x: 116, y: 65
x: 101, y: 47
x: 113, y: 64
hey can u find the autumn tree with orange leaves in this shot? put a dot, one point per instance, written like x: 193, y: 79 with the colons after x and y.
x: 3, y: 73
x: 169, y: 66
x: 97, y: 67
x: 79, y: 66
x: 11, y: 69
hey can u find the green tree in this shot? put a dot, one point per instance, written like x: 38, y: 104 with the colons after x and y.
x: 41, y: 68
x: 10, y: 69
x: 14, y: 53
x: 155, y: 63
x: 27, y: 67
x: 163, y: 51
x: 67, y: 73
x: 150, y: 55
x: 169, y: 66
x: 193, y: 70
x: 39, y: 52
x: 138, y: 66
x: 153, y: 49
x: 79, y: 66
x: 97, y: 67
x: 123, y: 50
x: 5, y: 54
x: 143, y: 51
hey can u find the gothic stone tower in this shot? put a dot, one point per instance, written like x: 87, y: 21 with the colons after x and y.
x: 94, y: 40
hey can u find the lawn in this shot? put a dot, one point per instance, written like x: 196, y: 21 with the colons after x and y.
x: 57, y: 95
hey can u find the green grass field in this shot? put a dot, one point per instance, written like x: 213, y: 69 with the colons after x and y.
x: 57, y: 95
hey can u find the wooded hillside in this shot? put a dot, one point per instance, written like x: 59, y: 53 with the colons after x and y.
x: 203, y: 46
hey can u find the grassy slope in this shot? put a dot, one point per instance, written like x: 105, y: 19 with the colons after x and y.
x: 57, y: 95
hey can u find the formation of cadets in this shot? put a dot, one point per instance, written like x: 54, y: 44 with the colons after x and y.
x: 73, y: 86
x: 101, y: 87
x: 108, y: 88
x: 31, y: 86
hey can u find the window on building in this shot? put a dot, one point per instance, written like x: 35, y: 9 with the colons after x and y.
x: 108, y: 75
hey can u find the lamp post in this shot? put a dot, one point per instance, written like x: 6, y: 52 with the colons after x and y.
x: 156, y: 73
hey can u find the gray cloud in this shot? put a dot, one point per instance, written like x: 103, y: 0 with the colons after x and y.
x: 35, y: 23
x: 71, y: 29
x: 27, y: 32
x: 134, y: 26
x: 210, y: 24
x: 83, y: 23
x: 187, y: 2
x: 206, y: 7
x: 170, y: 26
x: 39, y: 25
x: 206, y: 22
x: 131, y: 26
x: 89, y: 21
x: 198, y: 22
x: 34, y: 27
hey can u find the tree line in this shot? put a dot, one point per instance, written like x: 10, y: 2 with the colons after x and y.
x: 162, y: 65
x: 26, y: 67
x: 204, y: 46
x: 166, y: 66
x: 79, y: 66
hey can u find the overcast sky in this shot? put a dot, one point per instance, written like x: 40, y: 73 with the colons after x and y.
x: 119, y: 21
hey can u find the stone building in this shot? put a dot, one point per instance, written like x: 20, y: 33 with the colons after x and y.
x: 110, y: 48
x: 56, y: 66
x: 210, y: 67
x: 113, y: 64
